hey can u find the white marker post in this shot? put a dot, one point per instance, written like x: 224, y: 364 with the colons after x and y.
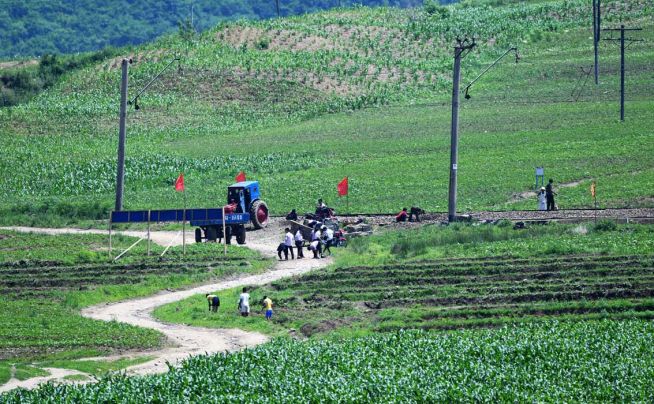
x: 224, y: 233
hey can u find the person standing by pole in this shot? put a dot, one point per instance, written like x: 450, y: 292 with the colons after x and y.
x: 549, y: 195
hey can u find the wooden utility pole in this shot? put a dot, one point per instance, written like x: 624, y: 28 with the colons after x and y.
x: 120, y: 175
x: 460, y: 50
x: 622, y: 40
x: 277, y: 6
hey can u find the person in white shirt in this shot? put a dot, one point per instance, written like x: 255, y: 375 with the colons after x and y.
x: 328, y: 239
x: 244, y: 303
x: 286, y: 245
x: 315, y: 245
x: 299, y: 240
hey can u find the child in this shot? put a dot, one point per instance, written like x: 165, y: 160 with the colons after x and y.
x: 267, y: 304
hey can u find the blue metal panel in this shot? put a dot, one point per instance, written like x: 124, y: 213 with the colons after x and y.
x: 230, y: 218
x: 203, y: 216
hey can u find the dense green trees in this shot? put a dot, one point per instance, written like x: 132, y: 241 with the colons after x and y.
x: 34, y: 28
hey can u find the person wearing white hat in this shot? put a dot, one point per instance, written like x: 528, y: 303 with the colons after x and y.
x: 542, y: 199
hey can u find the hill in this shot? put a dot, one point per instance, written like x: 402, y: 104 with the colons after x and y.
x: 35, y: 28
x: 298, y: 103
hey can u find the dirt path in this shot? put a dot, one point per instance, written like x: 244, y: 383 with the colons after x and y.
x: 184, y: 340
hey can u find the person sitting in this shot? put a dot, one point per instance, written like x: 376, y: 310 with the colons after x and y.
x: 231, y: 206
x: 322, y: 211
x: 402, y: 216
x: 292, y: 215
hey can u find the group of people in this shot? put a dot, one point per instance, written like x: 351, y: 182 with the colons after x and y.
x: 546, y: 197
x: 405, y: 214
x: 243, y: 304
x: 321, y: 236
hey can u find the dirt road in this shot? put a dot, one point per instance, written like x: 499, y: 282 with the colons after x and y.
x: 183, y: 340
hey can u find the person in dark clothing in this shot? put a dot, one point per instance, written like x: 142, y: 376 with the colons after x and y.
x: 214, y: 302
x: 549, y: 195
x: 292, y: 215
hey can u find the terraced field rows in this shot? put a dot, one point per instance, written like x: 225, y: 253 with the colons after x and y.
x: 454, y: 293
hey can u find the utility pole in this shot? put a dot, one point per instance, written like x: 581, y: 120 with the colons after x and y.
x: 462, y: 48
x: 122, y: 131
x: 120, y: 176
x: 596, y: 35
x: 277, y: 6
x: 622, y: 40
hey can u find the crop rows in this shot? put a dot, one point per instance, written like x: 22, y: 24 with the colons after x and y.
x: 452, y: 293
x: 592, y: 361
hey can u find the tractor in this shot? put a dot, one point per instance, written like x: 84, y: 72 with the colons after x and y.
x: 249, y: 208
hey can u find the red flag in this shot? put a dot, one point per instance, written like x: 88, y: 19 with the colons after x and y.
x: 240, y: 177
x: 342, y: 187
x: 179, y: 184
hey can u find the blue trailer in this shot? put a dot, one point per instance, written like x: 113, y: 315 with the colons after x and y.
x: 209, y: 221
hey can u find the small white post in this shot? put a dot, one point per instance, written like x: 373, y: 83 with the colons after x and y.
x: 148, y: 232
x: 110, y: 246
x: 224, y: 233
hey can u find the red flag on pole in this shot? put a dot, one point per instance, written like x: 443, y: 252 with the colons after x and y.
x: 179, y: 184
x: 342, y: 187
x: 240, y: 177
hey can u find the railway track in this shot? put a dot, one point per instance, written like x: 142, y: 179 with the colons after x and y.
x: 620, y: 215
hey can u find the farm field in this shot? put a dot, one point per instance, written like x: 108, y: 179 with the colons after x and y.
x: 299, y: 103
x: 449, y: 278
x: 552, y: 361
x: 415, y: 312
x: 46, y: 280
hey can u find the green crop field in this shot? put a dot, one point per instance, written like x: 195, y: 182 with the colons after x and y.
x: 547, y: 313
x: 299, y: 103
x: 46, y: 280
x: 588, y: 361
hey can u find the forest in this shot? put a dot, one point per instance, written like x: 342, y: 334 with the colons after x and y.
x: 35, y: 28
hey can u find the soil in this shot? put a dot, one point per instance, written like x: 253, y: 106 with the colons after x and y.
x: 183, y: 341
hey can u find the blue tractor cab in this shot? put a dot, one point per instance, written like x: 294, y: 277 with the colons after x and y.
x: 248, y: 198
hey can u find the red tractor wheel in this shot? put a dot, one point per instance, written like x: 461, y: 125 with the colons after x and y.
x: 259, y: 214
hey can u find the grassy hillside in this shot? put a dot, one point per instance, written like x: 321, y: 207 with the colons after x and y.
x: 299, y: 103
x: 33, y: 28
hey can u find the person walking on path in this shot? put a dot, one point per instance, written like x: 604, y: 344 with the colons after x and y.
x: 299, y: 240
x: 549, y: 194
x: 286, y: 245
x: 244, y: 303
x: 267, y: 305
x: 214, y: 302
x: 542, y: 199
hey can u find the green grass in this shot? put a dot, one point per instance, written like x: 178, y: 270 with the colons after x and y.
x: 46, y: 280
x: 95, y: 367
x: 362, y: 93
x: 586, y: 361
